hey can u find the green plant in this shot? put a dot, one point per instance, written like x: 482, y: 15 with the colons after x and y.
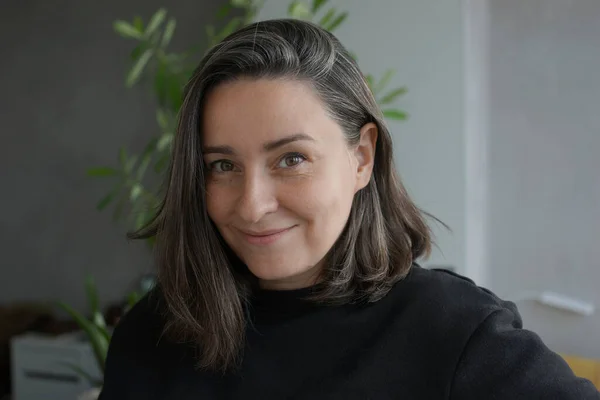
x: 134, y: 192
x: 95, y: 328
x: 331, y: 20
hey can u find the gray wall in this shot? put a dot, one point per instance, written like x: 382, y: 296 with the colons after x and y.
x: 542, y: 185
x: 63, y: 109
x: 423, y: 41
x: 545, y: 161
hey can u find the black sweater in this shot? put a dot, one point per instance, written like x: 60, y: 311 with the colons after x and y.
x: 435, y: 335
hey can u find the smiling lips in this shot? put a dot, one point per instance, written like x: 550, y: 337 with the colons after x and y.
x: 264, y: 238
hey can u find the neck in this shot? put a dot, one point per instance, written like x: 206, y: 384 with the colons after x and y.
x: 303, y: 280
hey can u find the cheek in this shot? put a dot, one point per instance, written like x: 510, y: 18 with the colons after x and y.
x: 217, y: 202
x: 325, y: 200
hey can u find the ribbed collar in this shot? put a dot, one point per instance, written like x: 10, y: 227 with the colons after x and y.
x: 270, y: 304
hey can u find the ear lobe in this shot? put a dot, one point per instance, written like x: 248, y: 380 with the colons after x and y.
x: 365, y: 155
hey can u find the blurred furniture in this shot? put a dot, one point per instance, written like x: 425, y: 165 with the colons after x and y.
x: 47, y: 367
x: 14, y: 320
x: 18, y: 318
x: 585, y: 368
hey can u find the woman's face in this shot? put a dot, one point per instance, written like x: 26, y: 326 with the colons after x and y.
x: 281, y: 177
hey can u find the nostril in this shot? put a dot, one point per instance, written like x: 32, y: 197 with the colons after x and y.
x: 253, y: 208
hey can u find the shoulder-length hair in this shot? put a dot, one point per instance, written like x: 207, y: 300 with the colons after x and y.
x: 204, y: 286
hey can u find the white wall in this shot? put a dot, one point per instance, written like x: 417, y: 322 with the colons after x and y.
x: 422, y: 40
x: 545, y: 161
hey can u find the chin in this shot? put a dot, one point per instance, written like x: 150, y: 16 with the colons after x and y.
x: 274, y: 276
x: 272, y: 273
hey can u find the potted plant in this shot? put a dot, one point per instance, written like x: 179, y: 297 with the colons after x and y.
x: 96, y: 331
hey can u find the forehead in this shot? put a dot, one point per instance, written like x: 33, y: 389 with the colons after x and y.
x: 247, y: 111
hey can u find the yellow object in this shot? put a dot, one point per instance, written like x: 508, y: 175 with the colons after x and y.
x: 585, y: 368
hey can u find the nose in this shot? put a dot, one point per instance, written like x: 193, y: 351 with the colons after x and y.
x: 257, y: 198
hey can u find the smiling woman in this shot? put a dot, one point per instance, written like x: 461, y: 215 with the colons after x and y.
x: 286, y: 249
x: 280, y: 199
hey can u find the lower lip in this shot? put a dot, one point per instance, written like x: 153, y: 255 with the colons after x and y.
x: 266, y: 239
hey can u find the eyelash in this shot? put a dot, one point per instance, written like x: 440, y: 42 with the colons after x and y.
x: 302, y: 157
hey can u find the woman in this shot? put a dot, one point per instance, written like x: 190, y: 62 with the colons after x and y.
x: 286, y: 250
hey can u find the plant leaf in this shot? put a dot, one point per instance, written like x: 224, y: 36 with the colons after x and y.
x: 135, y: 53
x: 162, y: 119
x: 395, y: 114
x: 92, y: 294
x: 298, y: 9
x: 133, y: 298
x: 122, y: 156
x: 97, y: 317
x: 150, y: 147
x: 326, y: 18
x: 143, y: 166
x: 130, y: 164
x: 102, y: 171
x: 138, y: 67
x: 383, y: 82
x: 138, y: 24
x: 162, y: 162
x: 101, y: 325
x: 155, y: 21
x: 96, y: 338
x: 106, y: 200
x: 168, y: 33
x: 164, y: 142
x: 317, y: 4
x: 98, y: 320
x: 175, y: 87
x: 337, y: 22
x: 224, y: 10
x: 140, y: 219
x: 136, y: 191
x: 126, y: 30
x: 160, y: 83
x: 391, y: 96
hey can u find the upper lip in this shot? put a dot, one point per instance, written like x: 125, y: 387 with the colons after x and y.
x: 265, y: 232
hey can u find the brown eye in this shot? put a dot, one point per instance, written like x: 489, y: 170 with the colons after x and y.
x: 291, y: 160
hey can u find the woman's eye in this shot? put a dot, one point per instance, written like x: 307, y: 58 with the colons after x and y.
x: 291, y: 160
x: 222, y: 166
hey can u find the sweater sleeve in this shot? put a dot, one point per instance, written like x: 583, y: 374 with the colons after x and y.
x: 503, y: 361
x: 118, y: 364
x: 132, y: 367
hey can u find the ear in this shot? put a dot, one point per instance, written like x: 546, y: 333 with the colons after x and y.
x: 365, y: 155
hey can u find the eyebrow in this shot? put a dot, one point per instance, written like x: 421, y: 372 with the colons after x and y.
x: 269, y: 146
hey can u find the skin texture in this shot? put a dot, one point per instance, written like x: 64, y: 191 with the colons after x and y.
x: 277, y: 161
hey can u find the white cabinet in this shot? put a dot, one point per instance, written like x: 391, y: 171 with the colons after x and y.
x: 42, y: 366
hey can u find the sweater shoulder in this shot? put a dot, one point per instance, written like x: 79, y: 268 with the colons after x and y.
x: 451, y: 290
x: 447, y: 300
x: 141, y: 326
x: 134, y: 360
